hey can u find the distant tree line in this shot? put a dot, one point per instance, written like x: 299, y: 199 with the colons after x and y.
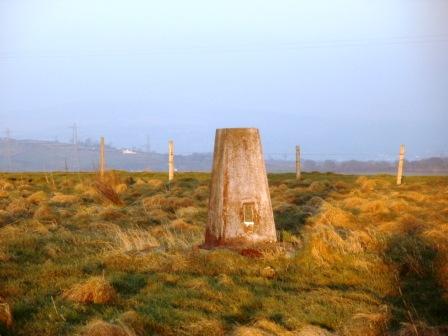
x: 30, y: 155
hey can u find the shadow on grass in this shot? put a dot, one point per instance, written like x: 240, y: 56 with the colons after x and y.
x: 246, y: 314
x: 420, y: 295
x: 306, y: 202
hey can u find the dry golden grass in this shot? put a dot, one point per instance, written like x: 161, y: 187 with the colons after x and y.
x: 38, y: 227
x: 225, y: 280
x: 140, y: 182
x: 335, y: 216
x: 376, y: 208
x: 5, y: 314
x: 170, y: 203
x: 153, y: 202
x: 52, y: 250
x: 421, y: 329
x: 45, y: 212
x: 169, y: 278
x: 202, y: 327
x: 310, y: 330
x: 121, y: 188
x: 158, y: 216
x: 439, y: 235
x: 102, y: 328
x: 8, y: 232
x: 132, y: 240
x: 94, y: 290
x: 187, y: 213
x: 86, y: 189
x: 62, y: 199
x: 316, y: 186
x: 37, y: 197
x: 414, y: 196
x: 341, y: 247
x: 18, y: 207
x: 111, y: 213
x: 4, y: 255
x: 368, y: 324
x: 181, y: 225
x: 107, y: 192
x: 5, y: 217
x: 201, y: 193
x: 366, y: 184
x: 263, y: 328
x: 5, y: 185
x: 327, y: 246
x: 171, y: 238
x: 353, y: 202
x: 133, y: 321
x: 268, y: 272
x: 154, y: 183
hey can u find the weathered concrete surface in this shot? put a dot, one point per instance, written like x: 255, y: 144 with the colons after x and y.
x: 239, y: 186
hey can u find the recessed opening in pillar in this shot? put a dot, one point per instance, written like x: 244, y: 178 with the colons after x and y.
x: 248, y: 209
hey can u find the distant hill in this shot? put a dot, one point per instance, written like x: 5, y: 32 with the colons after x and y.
x: 33, y: 155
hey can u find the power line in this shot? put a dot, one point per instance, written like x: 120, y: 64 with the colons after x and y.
x: 74, y: 128
x: 148, y: 144
x: 295, y: 45
x: 8, y: 149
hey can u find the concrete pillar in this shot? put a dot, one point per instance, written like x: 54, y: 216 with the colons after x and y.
x: 240, y: 209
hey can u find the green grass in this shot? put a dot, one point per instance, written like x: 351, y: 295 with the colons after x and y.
x: 365, y: 276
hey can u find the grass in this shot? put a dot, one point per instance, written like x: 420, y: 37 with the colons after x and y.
x: 357, y: 256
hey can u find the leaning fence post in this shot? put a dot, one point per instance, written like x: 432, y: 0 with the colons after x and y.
x: 298, y: 163
x: 400, y: 165
x: 170, y: 160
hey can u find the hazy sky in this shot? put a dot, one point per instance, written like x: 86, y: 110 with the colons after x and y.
x: 351, y: 78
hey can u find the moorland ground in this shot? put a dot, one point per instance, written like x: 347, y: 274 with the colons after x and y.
x: 120, y: 256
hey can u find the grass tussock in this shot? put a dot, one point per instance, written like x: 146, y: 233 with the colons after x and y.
x: 37, y: 197
x: 121, y: 188
x: 170, y: 203
x: 132, y: 240
x: 107, y: 192
x: 265, y: 327
x: 46, y: 213
x: 366, y: 184
x: 94, y: 290
x: 133, y: 321
x: 262, y: 328
x: 102, y: 328
x: 335, y: 216
x: 6, y: 185
x: 328, y: 245
x: 156, y: 184
x: 5, y: 314
x: 63, y: 199
x: 18, y: 207
x: 202, y: 327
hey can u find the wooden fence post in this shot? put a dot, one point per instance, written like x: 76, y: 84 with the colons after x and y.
x: 170, y: 160
x: 298, y: 163
x: 400, y: 165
